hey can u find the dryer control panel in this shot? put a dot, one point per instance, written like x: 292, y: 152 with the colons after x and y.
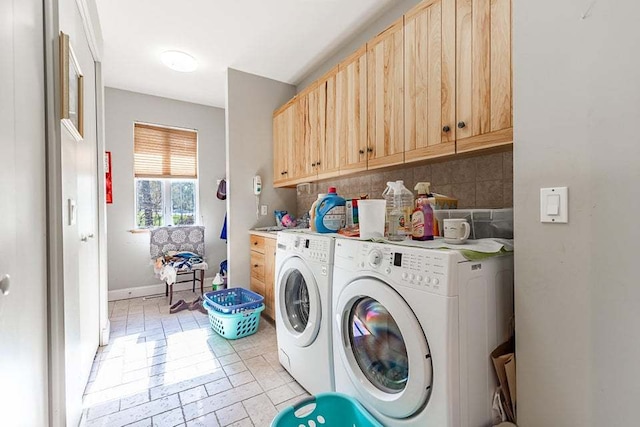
x: 425, y: 269
x: 309, y: 247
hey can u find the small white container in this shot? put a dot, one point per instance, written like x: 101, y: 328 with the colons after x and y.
x: 371, y: 215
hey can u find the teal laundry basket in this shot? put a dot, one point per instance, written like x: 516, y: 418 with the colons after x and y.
x: 326, y: 410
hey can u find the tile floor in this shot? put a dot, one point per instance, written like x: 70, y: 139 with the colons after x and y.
x: 163, y: 369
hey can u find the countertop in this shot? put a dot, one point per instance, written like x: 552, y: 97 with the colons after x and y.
x: 265, y: 234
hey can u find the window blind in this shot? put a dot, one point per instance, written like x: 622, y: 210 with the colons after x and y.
x: 161, y: 152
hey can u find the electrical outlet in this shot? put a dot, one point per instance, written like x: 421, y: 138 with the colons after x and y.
x: 263, y: 210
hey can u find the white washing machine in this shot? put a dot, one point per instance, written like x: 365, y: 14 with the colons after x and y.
x: 413, y: 331
x: 304, y: 266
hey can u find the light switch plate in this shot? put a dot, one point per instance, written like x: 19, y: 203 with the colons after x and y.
x: 554, y: 205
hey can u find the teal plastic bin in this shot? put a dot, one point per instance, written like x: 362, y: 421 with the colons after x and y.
x: 326, y: 410
x: 235, y: 325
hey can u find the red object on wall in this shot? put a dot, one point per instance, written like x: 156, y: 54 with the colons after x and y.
x: 107, y: 168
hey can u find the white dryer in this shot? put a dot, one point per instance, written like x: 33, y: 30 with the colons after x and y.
x: 413, y: 331
x: 304, y: 265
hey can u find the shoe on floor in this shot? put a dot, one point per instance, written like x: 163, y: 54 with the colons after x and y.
x: 194, y: 304
x: 178, y: 306
x: 200, y: 307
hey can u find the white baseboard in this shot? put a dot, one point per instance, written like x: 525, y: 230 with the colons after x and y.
x: 148, y: 290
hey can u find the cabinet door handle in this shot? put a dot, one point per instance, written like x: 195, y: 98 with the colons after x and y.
x: 361, y: 151
x: 318, y: 163
x: 369, y: 150
x: 313, y: 165
x: 461, y: 125
x: 255, y: 265
x: 446, y: 129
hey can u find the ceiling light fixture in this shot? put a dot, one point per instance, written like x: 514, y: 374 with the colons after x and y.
x: 179, y: 61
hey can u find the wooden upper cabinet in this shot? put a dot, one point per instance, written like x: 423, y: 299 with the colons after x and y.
x: 483, y: 82
x: 430, y: 73
x: 305, y: 133
x: 283, y: 136
x: 328, y: 160
x: 351, y: 112
x: 385, y: 97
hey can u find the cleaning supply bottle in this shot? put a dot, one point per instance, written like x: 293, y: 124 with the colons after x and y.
x: 312, y: 212
x: 400, y: 216
x: 217, y: 283
x: 330, y: 213
x: 422, y: 217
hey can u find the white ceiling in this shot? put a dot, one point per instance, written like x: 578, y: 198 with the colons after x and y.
x: 279, y: 39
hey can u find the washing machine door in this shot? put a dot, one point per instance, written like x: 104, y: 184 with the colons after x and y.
x: 299, y: 301
x: 383, y: 348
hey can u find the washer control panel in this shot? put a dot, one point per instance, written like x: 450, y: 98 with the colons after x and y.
x: 309, y: 247
x: 425, y: 269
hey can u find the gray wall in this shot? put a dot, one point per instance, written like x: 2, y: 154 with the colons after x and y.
x: 576, y: 106
x: 23, y: 248
x: 129, y: 263
x: 251, y: 100
x: 358, y: 40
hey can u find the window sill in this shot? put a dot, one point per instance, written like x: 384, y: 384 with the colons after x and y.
x: 139, y: 230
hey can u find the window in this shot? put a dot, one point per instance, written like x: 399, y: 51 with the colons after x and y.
x: 166, y: 175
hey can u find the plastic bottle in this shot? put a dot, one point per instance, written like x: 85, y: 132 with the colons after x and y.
x: 330, y: 213
x: 387, y: 194
x: 217, y: 283
x: 400, y: 213
x: 312, y: 212
x: 422, y: 217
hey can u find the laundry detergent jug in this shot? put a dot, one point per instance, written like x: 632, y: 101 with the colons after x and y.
x: 330, y: 213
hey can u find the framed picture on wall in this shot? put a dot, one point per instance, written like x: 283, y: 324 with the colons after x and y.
x: 72, y: 90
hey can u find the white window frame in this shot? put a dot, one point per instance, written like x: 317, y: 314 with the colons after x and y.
x: 166, y: 197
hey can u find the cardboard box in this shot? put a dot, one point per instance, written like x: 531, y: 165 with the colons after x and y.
x: 504, y: 363
x: 443, y: 202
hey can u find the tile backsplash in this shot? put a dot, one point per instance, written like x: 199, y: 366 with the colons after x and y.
x: 483, y: 181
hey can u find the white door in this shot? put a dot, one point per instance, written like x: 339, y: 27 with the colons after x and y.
x: 23, y: 230
x: 299, y: 301
x: 383, y: 348
x: 80, y: 242
x: 88, y: 274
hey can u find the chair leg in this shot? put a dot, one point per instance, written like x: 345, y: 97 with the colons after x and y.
x: 202, y: 282
x: 166, y: 289
x: 170, y: 295
x: 193, y: 288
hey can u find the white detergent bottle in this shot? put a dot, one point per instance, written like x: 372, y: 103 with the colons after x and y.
x: 217, y: 283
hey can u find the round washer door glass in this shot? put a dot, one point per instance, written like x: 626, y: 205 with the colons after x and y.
x: 297, y: 302
x: 378, y: 346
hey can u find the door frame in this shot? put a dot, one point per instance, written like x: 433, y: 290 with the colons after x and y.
x: 55, y: 205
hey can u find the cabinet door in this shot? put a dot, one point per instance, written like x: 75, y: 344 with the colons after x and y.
x: 305, y: 135
x: 351, y: 112
x: 283, y: 134
x: 269, y: 276
x: 278, y: 142
x: 328, y: 163
x: 483, y: 83
x: 430, y: 80
x: 385, y: 97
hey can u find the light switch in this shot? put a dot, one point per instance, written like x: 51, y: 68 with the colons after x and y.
x: 554, y: 205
